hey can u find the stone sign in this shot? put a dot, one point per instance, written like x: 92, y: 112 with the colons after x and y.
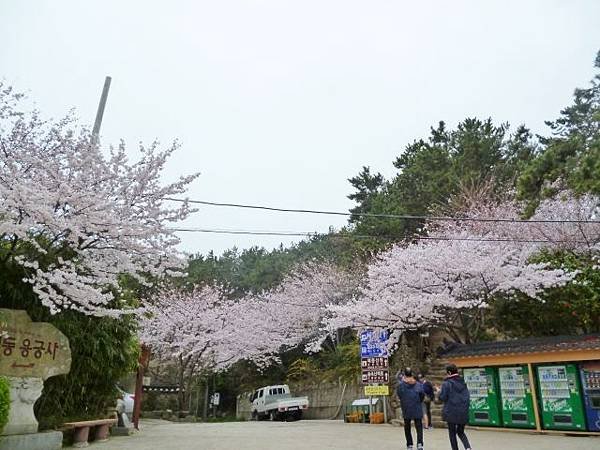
x: 31, y: 349
x: 30, y: 352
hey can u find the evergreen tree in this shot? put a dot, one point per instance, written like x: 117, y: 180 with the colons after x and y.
x: 571, y: 158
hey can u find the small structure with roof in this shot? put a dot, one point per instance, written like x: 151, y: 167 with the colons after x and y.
x: 542, y: 383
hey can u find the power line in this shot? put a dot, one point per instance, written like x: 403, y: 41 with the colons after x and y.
x: 397, y: 238
x: 254, y: 233
x: 383, y: 216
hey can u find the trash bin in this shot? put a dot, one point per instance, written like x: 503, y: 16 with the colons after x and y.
x: 376, y: 418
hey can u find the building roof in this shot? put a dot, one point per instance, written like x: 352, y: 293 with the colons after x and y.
x: 530, y: 345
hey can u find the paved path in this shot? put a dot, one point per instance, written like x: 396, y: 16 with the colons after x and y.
x: 321, y: 435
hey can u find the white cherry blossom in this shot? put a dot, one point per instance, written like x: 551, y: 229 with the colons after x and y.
x: 76, y: 219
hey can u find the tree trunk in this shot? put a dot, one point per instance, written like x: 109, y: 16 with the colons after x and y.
x: 181, y: 383
x: 205, y: 408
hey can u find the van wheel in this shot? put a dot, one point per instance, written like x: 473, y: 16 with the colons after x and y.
x: 255, y: 415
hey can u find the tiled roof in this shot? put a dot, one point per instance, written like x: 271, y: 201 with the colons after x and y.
x: 530, y: 345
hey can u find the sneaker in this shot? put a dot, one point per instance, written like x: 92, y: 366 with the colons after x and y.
x: 409, y: 447
x: 419, y: 446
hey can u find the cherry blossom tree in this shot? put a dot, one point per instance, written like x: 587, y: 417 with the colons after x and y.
x: 185, y: 329
x: 564, y: 222
x: 450, y: 275
x: 303, y: 300
x: 575, y: 222
x: 205, y: 330
x: 202, y: 331
x: 73, y: 218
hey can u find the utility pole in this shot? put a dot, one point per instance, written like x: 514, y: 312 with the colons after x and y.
x: 385, y: 399
x: 139, y: 381
x: 100, y: 112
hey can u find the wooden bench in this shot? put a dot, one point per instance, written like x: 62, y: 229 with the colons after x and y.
x: 82, y: 431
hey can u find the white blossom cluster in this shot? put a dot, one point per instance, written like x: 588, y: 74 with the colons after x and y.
x: 75, y: 219
x: 203, y: 329
x: 304, y: 301
x: 463, y: 264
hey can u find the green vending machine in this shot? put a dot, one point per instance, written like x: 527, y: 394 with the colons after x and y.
x: 515, y: 394
x: 561, y: 397
x: 485, y: 405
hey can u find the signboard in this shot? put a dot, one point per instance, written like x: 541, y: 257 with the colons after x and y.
x: 375, y: 376
x: 373, y: 343
x: 374, y: 362
x: 30, y: 352
x: 377, y: 390
x: 378, y: 363
x: 31, y: 349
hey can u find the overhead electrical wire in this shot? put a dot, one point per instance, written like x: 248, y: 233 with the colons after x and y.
x: 382, y: 216
x: 354, y: 236
x: 254, y: 233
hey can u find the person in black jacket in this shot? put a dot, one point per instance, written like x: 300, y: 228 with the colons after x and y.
x: 455, y: 395
x: 411, y: 396
x: 429, y: 397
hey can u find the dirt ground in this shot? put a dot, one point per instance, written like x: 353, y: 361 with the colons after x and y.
x: 322, y: 435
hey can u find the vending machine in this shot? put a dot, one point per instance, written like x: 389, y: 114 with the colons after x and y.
x: 590, y: 383
x: 560, y: 396
x: 484, y: 408
x: 515, y: 396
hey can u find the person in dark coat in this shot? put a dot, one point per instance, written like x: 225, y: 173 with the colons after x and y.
x: 428, y: 398
x: 411, y: 396
x: 455, y: 395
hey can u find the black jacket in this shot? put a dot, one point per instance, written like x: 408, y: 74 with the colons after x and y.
x: 428, y: 389
x: 411, y: 397
x: 455, y: 396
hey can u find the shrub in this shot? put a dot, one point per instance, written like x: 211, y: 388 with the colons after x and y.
x: 103, y: 350
x: 4, y: 401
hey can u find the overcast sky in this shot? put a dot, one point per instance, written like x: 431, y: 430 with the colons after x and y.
x: 279, y: 102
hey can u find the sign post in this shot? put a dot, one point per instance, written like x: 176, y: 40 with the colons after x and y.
x: 139, y: 381
x: 375, y: 368
x: 384, y: 399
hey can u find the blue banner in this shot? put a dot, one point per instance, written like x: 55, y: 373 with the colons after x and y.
x: 373, y: 343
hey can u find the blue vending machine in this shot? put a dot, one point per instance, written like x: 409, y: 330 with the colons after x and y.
x: 590, y: 383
